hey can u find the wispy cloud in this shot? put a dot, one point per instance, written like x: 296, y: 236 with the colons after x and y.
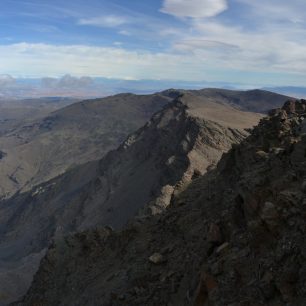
x: 124, y: 32
x: 194, y: 8
x: 205, y: 62
x: 113, y: 62
x: 276, y: 10
x: 110, y: 21
x: 269, y: 42
x: 191, y: 45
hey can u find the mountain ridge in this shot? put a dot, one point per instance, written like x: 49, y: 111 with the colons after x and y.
x: 235, y: 234
x: 139, y: 178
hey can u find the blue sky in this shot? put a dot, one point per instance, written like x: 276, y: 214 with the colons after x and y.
x: 245, y: 41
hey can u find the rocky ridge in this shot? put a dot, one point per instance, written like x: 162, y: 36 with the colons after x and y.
x: 235, y: 236
x: 256, y: 100
x: 40, y: 149
x: 139, y: 179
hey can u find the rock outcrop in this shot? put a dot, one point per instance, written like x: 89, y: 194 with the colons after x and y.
x: 235, y: 236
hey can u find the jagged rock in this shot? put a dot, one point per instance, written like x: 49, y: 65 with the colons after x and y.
x: 294, y: 106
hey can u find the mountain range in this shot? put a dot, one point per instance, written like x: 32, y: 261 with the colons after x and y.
x: 71, y: 178
x: 85, y: 87
x: 235, y: 236
x: 38, y: 149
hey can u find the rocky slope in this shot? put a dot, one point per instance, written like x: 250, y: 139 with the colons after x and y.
x: 235, y: 236
x: 41, y: 149
x: 38, y: 150
x: 15, y: 113
x: 139, y: 178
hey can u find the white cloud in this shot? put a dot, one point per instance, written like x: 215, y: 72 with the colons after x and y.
x: 268, y: 39
x: 124, y: 32
x: 190, y: 45
x: 189, y: 60
x: 273, y: 10
x: 109, y: 21
x: 213, y: 55
x: 275, y: 49
x: 45, y: 59
x: 194, y: 8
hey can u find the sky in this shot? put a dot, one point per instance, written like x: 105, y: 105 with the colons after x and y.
x: 239, y: 41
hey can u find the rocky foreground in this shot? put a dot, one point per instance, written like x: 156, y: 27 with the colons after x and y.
x: 235, y: 236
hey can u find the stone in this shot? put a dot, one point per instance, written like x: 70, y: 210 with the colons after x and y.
x: 214, y: 234
x: 157, y: 258
x: 206, y: 285
x: 261, y: 155
x: 267, y: 285
x: 216, y: 268
x: 223, y: 248
x: 277, y: 151
x: 269, y: 214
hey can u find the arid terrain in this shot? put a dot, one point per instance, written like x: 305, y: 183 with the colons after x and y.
x: 71, y: 177
x: 36, y: 147
x: 235, y: 236
x: 152, y: 153
x: 140, y: 178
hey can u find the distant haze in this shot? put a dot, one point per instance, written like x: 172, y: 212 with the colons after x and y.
x: 88, y: 87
